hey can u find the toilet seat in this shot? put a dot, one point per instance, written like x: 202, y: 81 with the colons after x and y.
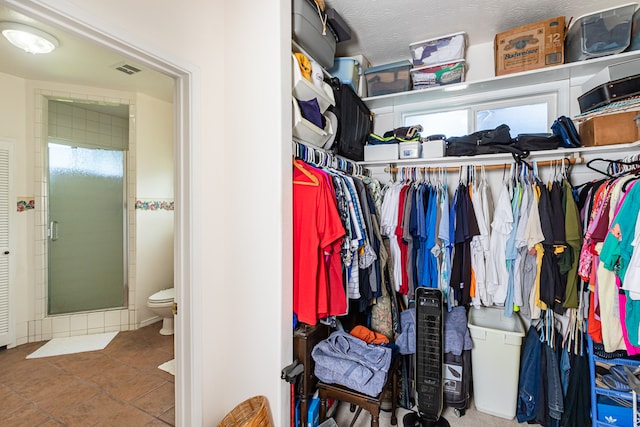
x: 163, y: 296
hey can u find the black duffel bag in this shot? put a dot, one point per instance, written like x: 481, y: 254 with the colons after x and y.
x: 499, y: 140
x: 537, y: 141
x: 491, y: 141
x: 355, y: 121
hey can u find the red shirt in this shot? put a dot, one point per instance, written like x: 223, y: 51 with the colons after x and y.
x: 317, y: 237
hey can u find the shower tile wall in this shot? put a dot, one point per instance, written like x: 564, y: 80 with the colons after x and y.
x: 93, y: 128
x: 69, y: 122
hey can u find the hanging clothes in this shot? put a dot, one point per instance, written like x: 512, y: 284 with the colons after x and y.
x: 317, y: 238
x: 466, y: 228
x: 497, y: 273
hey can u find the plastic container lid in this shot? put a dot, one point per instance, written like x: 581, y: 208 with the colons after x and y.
x: 163, y: 295
x: 493, y: 320
x: 415, y: 44
x: 427, y: 68
x: 388, y: 67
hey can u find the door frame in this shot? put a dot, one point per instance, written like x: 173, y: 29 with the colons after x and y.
x: 10, y: 144
x: 188, y: 342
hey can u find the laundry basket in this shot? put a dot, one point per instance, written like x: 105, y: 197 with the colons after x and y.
x: 253, y: 412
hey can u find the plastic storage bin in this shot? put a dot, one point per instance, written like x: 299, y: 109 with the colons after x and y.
x: 306, y: 29
x: 635, y: 31
x: 348, y: 71
x: 306, y: 132
x: 433, y: 148
x: 438, y: 75
x: 380, y: 152
x: 602, y: 33
x: 495, y: 358
x: 305, y: 90
x: 388, y: 78
x: 438, y: 50
x: 409, y: 150
x: 329, y: 422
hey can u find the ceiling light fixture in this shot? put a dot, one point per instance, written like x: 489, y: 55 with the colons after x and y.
x: 27, y: 38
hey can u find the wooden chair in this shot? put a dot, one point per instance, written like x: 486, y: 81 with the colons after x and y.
x: 355, y: 398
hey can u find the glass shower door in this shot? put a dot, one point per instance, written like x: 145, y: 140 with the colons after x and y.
x: 86, y: 249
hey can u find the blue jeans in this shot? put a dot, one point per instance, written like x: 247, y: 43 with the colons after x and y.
x: 529, y: 381
x: 555, y: 397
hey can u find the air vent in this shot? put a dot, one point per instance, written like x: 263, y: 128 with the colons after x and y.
x: 128, y: 69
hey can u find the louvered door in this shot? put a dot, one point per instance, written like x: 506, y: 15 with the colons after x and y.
x: 5, y: 252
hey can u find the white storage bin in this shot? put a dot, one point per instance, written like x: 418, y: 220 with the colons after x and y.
x: 306, y: 132
x: 495, y: 358
x: 304, y: 90
x: 409, y: 150
x: 380, y: 152
x: 433, y: 149
x: 438, y: 50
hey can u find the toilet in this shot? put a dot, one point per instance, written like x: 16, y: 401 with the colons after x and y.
x: 161, y: 303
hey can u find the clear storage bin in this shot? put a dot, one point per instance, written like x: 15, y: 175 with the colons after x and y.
x: 438, y: 50
x: 635, y: 31
x: 606, y: 32
x: 388, y: 78
x: 438, y: 75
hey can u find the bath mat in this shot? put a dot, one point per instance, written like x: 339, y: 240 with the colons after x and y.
x: 169, y: 367
x: 70, y: 345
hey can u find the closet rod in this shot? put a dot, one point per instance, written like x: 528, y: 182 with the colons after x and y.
x: 571, y: 161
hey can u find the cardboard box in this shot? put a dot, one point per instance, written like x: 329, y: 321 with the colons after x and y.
x: 531, y: 46
x: 618, y: 128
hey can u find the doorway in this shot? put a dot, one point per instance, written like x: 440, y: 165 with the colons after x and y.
x: 185, y: 77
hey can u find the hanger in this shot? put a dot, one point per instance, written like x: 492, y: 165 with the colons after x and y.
x: 612, y: 167
x: 314, y: 180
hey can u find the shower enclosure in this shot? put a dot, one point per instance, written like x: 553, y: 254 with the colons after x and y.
x: 87, y: 216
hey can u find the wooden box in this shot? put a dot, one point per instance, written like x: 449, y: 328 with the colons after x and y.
x: 618, y: 128
x: 531, y: 46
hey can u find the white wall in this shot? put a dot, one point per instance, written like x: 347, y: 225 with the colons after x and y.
x: 13, y: 126
x: 154, y: 187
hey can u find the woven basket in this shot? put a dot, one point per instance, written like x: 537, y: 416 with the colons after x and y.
x: 253, y: 412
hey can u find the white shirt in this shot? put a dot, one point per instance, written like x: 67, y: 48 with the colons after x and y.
x: 388, y: 223
x: 497, y: 273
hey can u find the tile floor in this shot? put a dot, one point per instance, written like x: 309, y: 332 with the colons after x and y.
x: 118, y: 386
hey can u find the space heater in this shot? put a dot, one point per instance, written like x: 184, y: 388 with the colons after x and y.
x: 429, y: 360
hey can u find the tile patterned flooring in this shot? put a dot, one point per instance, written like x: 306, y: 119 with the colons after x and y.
x: 118, y: 386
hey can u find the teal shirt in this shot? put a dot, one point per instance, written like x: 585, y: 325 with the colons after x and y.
x: 617, y: 249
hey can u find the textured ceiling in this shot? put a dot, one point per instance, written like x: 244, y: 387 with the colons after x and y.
x: 383, y: 29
